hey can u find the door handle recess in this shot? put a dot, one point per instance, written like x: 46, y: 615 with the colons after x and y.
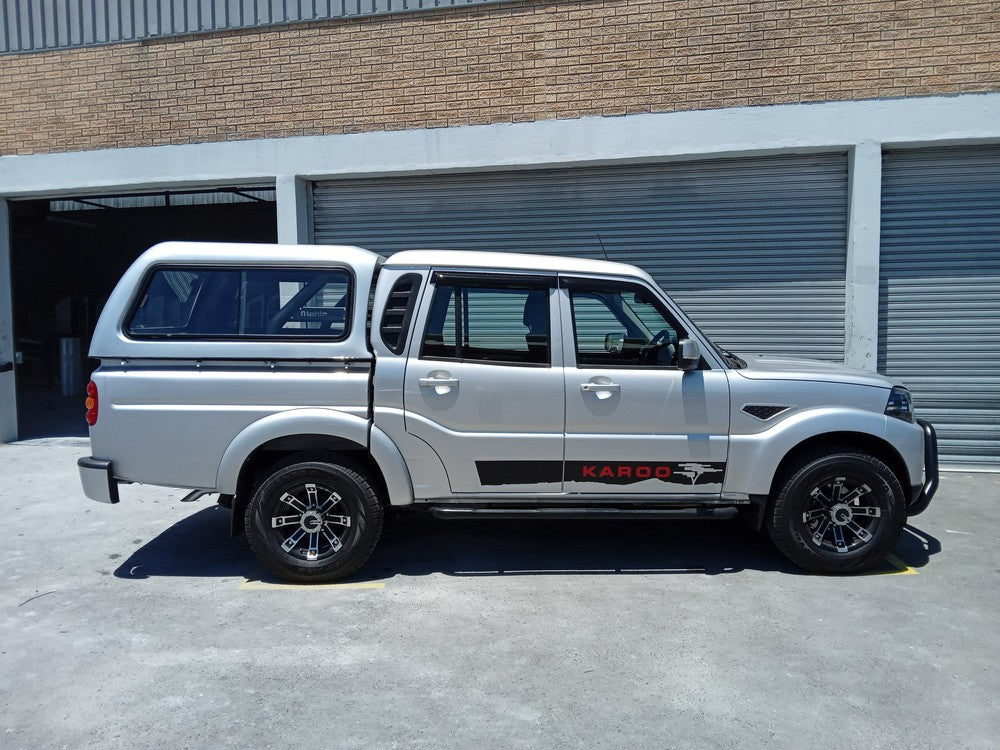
x: 437, y: 382
x: 597, y: 387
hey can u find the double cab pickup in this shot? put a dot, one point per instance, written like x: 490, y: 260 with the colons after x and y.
x: 316, y: 387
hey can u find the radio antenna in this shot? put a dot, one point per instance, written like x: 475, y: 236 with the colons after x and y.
x: 603, y: 249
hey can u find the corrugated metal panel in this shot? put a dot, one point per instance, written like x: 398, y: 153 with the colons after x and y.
x: 940, y: 292
x: 754, y: 249
x: 37, y: 25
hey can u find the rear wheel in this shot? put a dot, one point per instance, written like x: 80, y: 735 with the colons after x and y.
x: 838, y: 514
x: 313, y: 522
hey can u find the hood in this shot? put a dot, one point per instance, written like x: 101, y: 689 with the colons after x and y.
x: 765, y: 367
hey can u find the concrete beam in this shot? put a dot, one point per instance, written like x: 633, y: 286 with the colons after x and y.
x: 864, y: 169
x: 293, y: 196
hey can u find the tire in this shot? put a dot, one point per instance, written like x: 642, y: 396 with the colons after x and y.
x: 840, y: 513
x: 313, y: 521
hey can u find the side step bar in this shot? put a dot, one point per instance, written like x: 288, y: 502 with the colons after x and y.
x: 450, y: 511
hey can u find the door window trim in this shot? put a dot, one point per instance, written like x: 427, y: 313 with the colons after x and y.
x: 465, y: 279
x: 588, y: 284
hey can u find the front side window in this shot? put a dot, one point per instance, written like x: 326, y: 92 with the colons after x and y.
x: 242, y: 303
x: 488, y: 324
x: 622, y: 326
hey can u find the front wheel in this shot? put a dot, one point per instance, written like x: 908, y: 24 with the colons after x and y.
x: 838, y: 514
x: 313, y: 522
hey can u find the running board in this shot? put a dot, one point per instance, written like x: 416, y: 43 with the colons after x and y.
x: 448, y: 511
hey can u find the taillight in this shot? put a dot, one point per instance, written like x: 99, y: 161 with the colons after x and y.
x: 91, y: 403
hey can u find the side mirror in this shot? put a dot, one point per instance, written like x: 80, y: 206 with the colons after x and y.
x: 614, y: 343
x: 688, y: 354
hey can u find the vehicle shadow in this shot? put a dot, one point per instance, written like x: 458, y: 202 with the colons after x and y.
x: 416, y: 544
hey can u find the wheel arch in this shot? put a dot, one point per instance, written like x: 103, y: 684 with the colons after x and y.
x: 316, y: 431
x: 836, y: 442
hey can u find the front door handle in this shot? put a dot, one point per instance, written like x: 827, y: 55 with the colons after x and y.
x: 6, y: 366
x: 597, y: 387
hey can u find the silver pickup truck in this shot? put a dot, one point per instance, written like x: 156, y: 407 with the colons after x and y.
x: 313, y: 388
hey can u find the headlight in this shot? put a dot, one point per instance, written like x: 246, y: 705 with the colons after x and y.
x: 900, y: 404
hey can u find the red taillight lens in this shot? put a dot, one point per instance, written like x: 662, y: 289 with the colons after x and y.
x: 91, y: 403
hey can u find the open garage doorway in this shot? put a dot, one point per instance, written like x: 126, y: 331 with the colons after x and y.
x: 67, y: 255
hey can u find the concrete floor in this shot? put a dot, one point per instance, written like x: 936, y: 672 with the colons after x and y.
x: 143, y: 625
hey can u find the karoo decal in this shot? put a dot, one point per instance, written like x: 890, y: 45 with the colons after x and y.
x: 686, y: 473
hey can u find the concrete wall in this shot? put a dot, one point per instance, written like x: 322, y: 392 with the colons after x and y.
x: 514, y: 62
x: 8, y: 396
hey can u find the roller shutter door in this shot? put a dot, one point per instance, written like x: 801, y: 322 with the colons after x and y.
x: 940, y: 292
x: 753, y: 249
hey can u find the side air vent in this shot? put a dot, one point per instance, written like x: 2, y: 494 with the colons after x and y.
x: 764, y: 412
x: 397, y: 313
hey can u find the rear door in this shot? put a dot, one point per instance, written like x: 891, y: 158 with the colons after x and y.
x: 483, y: 384
x: 635, y: 423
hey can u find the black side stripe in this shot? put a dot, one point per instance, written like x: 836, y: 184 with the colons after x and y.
x: 685, y: 473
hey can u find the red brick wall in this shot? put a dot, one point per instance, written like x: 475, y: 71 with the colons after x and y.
x: 497, y: 63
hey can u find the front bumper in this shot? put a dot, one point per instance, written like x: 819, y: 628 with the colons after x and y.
x: 923, y: 495
x: 98, y: 480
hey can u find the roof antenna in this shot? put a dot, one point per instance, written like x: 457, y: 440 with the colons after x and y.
x: 604, y: 249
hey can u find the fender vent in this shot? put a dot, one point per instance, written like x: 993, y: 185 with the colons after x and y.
x: 764, y: 412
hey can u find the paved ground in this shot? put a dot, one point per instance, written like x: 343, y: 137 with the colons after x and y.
x: 136, y: 626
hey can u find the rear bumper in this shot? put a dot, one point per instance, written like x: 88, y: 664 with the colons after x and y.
x: 98, y: 480
x: 923, y: 495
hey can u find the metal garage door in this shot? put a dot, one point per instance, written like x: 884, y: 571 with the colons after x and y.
x: 940, y: 292
x: 754, y: 249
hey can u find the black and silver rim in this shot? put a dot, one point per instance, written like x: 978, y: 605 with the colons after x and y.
x: 311, y: 522
x: 841, y: 515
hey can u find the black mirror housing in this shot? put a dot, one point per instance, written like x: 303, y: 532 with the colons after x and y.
x: 688, y: 354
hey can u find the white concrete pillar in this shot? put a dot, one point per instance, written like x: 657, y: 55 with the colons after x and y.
x: 294, y: 203
x: 8, y: 393
x: 864, y: 215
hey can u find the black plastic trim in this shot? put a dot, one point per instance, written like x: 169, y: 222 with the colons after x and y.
x: 508, y: 280
x: 448, y: 511
x: 926, y: 494
x: 414, y: 280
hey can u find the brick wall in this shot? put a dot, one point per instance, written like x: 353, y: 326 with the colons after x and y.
x: 513, y: 62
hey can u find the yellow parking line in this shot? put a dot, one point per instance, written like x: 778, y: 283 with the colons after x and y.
x: 901, y: 568
x: 249, y: 585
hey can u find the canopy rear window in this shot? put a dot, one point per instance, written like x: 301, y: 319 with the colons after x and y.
x: 251, y: 303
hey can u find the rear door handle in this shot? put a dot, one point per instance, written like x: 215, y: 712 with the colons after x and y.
x: 595, y: 387
x: 436, y: 382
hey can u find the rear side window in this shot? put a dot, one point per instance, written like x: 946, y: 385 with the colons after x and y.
x: 243, y: 303
x: 488, y: 324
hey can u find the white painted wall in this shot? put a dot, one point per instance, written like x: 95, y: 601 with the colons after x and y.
x: 293, y: 196
x: 864, y: 210
x: 862, y: 128
x: 8, y: 396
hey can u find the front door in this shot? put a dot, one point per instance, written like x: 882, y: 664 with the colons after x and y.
x: 484, y: 386
x: 635, y: 423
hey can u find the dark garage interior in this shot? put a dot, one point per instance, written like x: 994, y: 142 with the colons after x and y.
x: 67, y: 255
